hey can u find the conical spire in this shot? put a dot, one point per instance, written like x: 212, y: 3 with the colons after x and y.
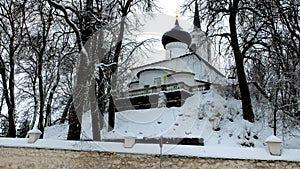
x: 176, y: 21
x: 196, y: 17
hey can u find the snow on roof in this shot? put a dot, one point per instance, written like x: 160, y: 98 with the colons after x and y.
x: 154, y: 68
x: 166, y: 60
x: 274, y: 139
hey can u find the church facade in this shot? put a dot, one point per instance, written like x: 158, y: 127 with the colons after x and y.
x: 188, y: 67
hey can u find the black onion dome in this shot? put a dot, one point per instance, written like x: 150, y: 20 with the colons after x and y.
x: 176, y: 34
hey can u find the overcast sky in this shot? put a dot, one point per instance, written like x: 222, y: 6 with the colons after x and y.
x: 170, y: 6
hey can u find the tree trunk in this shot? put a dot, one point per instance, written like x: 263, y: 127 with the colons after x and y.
x: 41, y: 94
x: 78, y: 100
x: 35, y: 109
x: 74, y: 125
x: 11, y: 108
x: 94, y: 112
x: 66, y: 110
x: 111, y: 114
x: 46, y: 24
x: 114, y: 69
x: 101, y: 99
x: 50, y: 98
x: 239, y: 58
x: 8, y: 91
x: 48, y: 109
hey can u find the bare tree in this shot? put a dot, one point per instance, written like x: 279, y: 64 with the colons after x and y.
x: 38, y: 34
x: 46, y: 63
x: 279, y: 58
x: 224, y: 19
x: 86, y: 18
x: 12, y: 32
x: 264, y: 38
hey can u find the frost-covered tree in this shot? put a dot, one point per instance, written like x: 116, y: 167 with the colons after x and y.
x: 264, y: 39
x: 87, y: 18
x: 275, y: 65
x: 224, y: 19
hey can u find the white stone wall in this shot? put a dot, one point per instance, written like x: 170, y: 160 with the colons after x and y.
x: 202, y: 44
x: 30, y: 158
x: 147, y: 77
x: 176, y: 49
x: 187, y: 78
x: 189, y: 64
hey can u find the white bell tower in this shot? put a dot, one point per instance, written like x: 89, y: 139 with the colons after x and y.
x: 201, y: 44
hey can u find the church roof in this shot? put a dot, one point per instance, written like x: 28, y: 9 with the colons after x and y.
x: 176, y: 34
x: 154, y: 68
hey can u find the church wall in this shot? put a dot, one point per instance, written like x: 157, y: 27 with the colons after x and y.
x: 206, y: 49
x: 174, y: 64
x: 201, y: 42
x: 148, y: 77
x: 175, y: 49
x: 202, y: 51
x: 187, y: 78
x: 197, y: 67
x: 189, y: 64
x: 217, y: 79
x: 203, y: 71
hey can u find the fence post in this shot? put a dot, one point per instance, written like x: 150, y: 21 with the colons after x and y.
x: 160, y: 145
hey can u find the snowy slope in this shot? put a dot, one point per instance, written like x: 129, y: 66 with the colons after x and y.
x: 205, y: 115
x: 167, y: 122
x: 59, y: 132
x: 196, y: 118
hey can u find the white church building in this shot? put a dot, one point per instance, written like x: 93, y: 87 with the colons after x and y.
x: 189, y: 66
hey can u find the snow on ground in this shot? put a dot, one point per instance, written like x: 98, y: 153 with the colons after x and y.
x: 197, y: 118
x: 181, y: 150
x: 216, y: 119
x: 167, y: 122
x: 59, y: 132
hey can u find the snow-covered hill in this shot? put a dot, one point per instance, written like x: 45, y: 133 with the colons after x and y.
x: 216, y: 119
